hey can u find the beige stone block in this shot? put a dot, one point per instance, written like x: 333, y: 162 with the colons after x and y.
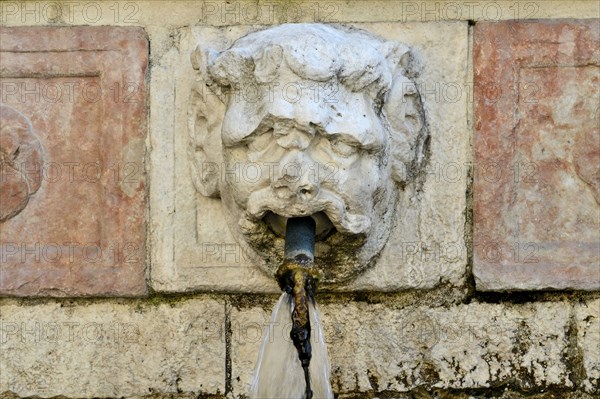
x: 223, y: 13
x: 588, y: 342
x: 248, y: 327
x: 374, y: 347
x: 472, y: 346
x: 112, y: 349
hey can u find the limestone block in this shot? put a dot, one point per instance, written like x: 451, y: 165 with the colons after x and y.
x: 374, y: 347
x: 588, y: 341
x: 112, y: 349
x: 248, y: 327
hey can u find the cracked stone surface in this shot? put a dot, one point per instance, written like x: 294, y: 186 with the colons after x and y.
x: 82, y: 92
x: 537, y: 155
x: 374, y: 347
x: 588, y: 339
x: 111, y: 349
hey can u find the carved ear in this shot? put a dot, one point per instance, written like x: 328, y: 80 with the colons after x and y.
x: 403, y: 110
x: 205, y: 117
x: 201, y: 59
x: 397, y: 54
x: 230, y: 66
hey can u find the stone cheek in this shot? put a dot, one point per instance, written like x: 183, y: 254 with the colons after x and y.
x: 537, y: 180
x: 83, y: 91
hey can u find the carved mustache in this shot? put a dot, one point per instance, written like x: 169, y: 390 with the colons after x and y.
x: 264, y: 200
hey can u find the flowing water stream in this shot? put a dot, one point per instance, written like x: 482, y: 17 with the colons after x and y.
x: 278, y: 373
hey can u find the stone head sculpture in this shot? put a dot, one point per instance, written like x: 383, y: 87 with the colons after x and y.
x: 307, y: 119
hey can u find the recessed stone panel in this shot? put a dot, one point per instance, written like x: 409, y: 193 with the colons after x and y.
x: 537, y: 155
x: 72, y: 200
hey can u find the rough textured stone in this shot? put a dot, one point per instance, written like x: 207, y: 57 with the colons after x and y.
x: 80, y: 92
x: 588, y: 341
x: 248, y: 327
x: 537, y: 155
x: 374, y: 347
x: 194, y: 250
x: 169, y: 104
x: 111, y: 349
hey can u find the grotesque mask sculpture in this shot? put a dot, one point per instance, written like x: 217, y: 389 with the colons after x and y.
x: 307, y: 119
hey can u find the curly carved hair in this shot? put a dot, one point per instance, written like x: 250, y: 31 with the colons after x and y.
x: 356, y: 59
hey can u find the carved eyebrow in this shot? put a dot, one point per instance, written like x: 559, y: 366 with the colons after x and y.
x: 269, y: 123
x: 264, y: 126
x: 369, y: 141
x: 346, y: 138
x: 366, y: 141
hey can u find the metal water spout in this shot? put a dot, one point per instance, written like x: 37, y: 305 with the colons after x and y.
x: 298, y: 276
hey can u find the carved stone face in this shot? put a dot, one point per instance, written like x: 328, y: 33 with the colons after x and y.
x: 302, y: 136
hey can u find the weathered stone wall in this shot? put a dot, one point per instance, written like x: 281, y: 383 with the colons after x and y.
x: 174, y: 309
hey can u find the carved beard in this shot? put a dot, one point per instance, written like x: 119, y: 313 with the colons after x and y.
x: 341, y: 255
x: 338, y: 256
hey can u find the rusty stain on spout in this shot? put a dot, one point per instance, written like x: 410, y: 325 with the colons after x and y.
x: 298, y: 276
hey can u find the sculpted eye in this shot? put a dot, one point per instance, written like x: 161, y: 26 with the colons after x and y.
x: 261, y: 141
x: 342, y: 148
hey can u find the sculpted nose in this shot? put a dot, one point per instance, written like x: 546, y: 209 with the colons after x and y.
x: 294, y: 140
x: 296, y: 181
x: 285, y: 189
x: 308, y: 191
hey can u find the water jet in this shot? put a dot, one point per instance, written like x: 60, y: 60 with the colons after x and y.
x: 321, y: 205
x: 298, y: 276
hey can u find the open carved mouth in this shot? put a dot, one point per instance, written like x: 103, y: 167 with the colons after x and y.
x: 277, y: 224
